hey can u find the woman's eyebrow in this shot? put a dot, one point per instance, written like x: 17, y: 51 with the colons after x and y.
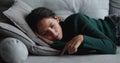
x: 51, y: 24
x: 44, y: 32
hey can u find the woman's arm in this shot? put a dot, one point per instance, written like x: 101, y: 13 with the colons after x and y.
x: 98, y: 35
x: 101, y: 45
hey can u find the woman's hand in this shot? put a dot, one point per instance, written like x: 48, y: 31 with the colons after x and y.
x: 44, y: 39
x: 72, y: 46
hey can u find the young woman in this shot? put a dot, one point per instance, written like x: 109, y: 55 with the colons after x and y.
x: 77, y: 34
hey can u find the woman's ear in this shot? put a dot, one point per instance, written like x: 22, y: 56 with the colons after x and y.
x: 57, y: 18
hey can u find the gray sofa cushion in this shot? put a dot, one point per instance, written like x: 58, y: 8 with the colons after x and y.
x: 7, y: 30
x: 63, y: 8
x: 103, y: 58
x: 114, y: 6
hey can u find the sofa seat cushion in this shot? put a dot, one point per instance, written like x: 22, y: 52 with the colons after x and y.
x: 106, y: 58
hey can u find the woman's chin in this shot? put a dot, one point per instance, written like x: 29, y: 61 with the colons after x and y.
x: 59, y: 39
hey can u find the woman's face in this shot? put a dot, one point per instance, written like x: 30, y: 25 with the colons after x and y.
x: 50, y: 29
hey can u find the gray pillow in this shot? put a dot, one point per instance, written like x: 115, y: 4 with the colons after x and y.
x: 7, y: 30
x: 16, y: 14
x: 4, y: 19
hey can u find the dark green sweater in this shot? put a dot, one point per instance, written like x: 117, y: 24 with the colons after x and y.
x: 99, y: 35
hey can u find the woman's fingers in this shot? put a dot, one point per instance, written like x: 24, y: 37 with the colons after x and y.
x: 63, y: 51
x: 71, y: 49
x: 68, y: 49
x: 72, y: 46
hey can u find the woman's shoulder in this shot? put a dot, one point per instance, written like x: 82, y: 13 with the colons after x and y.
x: 76, y: 14
x: 72, y: 16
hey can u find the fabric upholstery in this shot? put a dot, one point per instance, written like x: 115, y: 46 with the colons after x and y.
x: 4, y: 5
x: 63, y: 8
x: 115, y: 6
x: 7, y: 30
x: 13, y: 50
x: 71, y: 58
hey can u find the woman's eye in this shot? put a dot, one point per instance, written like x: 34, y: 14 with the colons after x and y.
x: 44, y: 33
x: 52, y: 25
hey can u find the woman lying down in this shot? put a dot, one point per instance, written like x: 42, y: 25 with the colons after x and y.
x: 77, y: 34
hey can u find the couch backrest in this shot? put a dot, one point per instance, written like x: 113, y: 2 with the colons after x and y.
x: 93, y: 8
x: 74, y: 5
x: 115, y: 6
x: 4, y: 5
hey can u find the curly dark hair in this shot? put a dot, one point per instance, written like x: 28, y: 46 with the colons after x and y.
x: 37, y: 15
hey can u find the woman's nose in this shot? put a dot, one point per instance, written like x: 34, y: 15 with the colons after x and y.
x: 52, y: 32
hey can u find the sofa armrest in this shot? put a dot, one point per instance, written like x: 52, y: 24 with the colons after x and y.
x: 13, y: 50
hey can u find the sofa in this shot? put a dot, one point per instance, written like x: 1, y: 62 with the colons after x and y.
x: 18, y: 44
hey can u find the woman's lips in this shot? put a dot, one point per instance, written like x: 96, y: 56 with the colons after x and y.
x: 57, y: 36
